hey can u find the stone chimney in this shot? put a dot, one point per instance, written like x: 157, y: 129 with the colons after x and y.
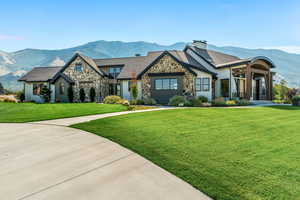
x: 201, y: 44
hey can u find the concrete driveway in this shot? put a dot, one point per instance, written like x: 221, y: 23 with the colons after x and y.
x: 51, y: 162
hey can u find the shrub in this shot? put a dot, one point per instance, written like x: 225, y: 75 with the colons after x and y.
x: 21, y: 96
x: 134, y: 91
x: 177, y: 101
x: 278, y: 101
x: 220, y: 101
x: 111, y: 99
x: 196, y: 102
x: 140, y: 102
x: 71, y: 94
x: 243, y: 102
x: 203, y: 99
x: 206, y: 104
x: 188, y: 103
x: 8, y: 100
x: 92, y: 94
x: 133, y: 102
x: 296, y: 100
x: 123, y: 102
x: 82, y: 95
x: 149, y: 101
x: 230, y: 103
x: 46, y: 94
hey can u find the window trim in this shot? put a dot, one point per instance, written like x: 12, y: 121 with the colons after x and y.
x: 163, y: 80
x: 200, y: 86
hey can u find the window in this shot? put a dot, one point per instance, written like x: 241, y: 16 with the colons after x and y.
x: 78, y: 68
x: 203, y: 84
x: 115, y: 89
x: 37, y: 87
x: 114, y: 71
x: 61, y: 88
x: 225, y: 87
x: 166, y: 84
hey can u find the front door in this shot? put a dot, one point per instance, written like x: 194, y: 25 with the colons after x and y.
x: 257, y: 90
x: 164, y: 88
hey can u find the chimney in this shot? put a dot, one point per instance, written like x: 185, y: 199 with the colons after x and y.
x: 137, y: 55
x: 201, y: 44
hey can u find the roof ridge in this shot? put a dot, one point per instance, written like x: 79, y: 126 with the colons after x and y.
x: 119, y: 58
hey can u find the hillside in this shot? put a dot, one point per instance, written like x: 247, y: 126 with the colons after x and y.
x: 15, y: 63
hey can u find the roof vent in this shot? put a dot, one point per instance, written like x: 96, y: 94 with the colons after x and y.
x: 201, y: 44
x: 137, y: 55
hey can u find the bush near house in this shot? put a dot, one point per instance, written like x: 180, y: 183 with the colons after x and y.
x: 296, y: 100
x: 140, y: 102
x: 231, y: 103
x: 71, y: 94
x: 92, y: 94
x: 46, y: 94
x: 149, y: 101
x: 203, y: 99
x: 20, y: 96
x: 82, y: 95
x: 220, y: 101
x: 178, y: 101
x: 111, y: 99
x: 243, y: 102
x: 123, y: 102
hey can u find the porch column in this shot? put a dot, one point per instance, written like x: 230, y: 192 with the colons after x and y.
x: 271, y: 85
x: 248, y: 82
x: 267, y: 82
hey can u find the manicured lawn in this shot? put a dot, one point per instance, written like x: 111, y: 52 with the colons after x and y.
x: 27, y: 112
x: 230, y: 154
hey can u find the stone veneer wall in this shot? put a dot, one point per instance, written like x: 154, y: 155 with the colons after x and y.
x: 167, y: 65
x: 87, y: 79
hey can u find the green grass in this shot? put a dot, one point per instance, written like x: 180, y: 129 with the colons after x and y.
x: 28, y: 112
x: 230, y: 154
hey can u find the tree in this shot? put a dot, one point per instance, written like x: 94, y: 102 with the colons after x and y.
x: 71, y: 94
x: 133, y: 86
x: 2, y: 91
x: 92, y: 94
x: 82, y: 95
x: 46, y: 93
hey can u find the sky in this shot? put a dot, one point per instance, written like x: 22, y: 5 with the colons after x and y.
x: 59, y: 24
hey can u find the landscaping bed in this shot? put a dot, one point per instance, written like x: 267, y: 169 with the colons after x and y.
x: 230, y: 154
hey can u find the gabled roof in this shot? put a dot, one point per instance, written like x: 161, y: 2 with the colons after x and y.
x: 137, y: 65
x: 62, y: 75
x: 41, y: 74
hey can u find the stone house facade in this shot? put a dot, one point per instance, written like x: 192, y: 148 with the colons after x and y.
x: 195, y: 71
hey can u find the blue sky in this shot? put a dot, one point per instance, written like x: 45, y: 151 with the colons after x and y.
x: 62, y: 24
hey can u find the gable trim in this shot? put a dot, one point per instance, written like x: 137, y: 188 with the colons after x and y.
x: 184, y: 65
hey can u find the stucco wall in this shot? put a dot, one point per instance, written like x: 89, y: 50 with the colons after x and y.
x: 87, y: 79
x: 167, y: 65
x: 207, y: 94
x: 126, y: 93
x: 29, y: 96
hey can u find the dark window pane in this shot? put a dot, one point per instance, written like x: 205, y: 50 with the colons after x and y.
x: 198, y: 84
x: 225, y: 87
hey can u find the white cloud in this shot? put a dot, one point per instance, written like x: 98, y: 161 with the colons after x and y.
x: 289, y: 49
x: 10, y: 37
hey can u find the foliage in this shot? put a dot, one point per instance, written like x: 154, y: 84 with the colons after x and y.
x: 220, y: 101
x: 133, y: 86
x: 123, y: 102
x: 291, y: 93
x: 243, y: 102
x: 8, y: 99
x: 280, y: 91
x: 112, y: 99
x: 296, y: 100
x: 82, y: 95
x: 92, y: 94
x: 150, y: 101
x: 230, y: 103
x: 196, y: 102
x: 2, y: 91
x: 254, y: 150
x: 20, y: 96
x: 46, y: 93
x: 177, y: 101
x: 70, y: 94
x: 133, y: 102
x: 140, y: 102
x: 203, y: 99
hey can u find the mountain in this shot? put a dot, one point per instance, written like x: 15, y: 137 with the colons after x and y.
x: 24, y: 60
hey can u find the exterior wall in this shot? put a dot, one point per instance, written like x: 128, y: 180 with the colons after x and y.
x: 28, y: 91
x: 222, y: 74
x: 126, y: 93
x: 167, y: 65
x: 207, y: 94
x: 52, y: 88
x: 87, y: 79
x: 61, y: 97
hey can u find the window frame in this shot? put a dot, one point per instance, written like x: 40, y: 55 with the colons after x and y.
x: 77, y: 67
x: 201, y: 85
x: 36, y: 88
x: 166, y: 84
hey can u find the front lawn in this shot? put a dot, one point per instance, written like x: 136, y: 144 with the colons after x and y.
x: 28, y: 112
x: 228, y: 153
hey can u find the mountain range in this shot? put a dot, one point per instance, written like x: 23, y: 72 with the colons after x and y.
x: 15, y: 64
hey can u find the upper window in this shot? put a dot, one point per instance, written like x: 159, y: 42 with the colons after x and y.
x: 166, y: 84
x: 78, y: 68
x: 114, y: 71
x: 203, y: 84
x: 37, y: 87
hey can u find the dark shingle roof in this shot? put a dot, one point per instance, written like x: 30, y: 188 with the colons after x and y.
x: 215, y: 58
x: 40, y: 74
x: 136, y: 65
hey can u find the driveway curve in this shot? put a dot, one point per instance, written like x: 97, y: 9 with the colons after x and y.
x: 42, y: 161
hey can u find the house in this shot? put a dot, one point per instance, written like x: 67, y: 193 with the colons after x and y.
x: 194, y: 71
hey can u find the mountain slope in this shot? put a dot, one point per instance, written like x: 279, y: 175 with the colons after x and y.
x: 287, y: 64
